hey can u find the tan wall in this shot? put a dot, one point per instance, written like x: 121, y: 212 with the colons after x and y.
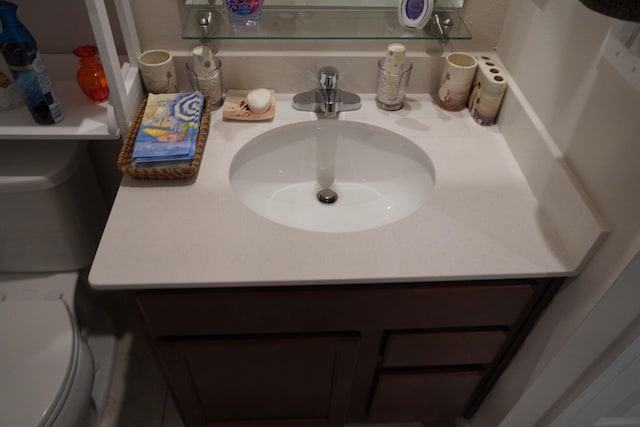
x: 552, y: 49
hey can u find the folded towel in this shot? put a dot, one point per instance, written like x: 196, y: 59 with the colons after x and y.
x: 169, y: 128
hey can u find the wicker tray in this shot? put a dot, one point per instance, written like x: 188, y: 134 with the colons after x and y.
x: 125, y: 161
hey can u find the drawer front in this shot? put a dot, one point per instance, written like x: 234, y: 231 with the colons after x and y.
x: 331, y: 308
x: 442, y: 348
x: 422, y: 397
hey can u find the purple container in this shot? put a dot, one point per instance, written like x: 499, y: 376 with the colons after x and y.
x: 244, y: 13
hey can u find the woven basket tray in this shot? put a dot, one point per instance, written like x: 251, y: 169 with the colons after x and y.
x: 125, y: 161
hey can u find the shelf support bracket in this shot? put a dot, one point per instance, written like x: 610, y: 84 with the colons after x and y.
x: 125, y: 85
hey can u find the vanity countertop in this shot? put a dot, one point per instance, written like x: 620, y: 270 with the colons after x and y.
x: 482, y: 221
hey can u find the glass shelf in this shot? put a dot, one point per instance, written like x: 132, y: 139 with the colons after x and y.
x: 319, y: 23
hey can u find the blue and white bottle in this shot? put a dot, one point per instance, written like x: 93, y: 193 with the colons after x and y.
x: 21, y: 54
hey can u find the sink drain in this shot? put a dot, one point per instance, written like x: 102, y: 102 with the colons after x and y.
x: 327, y: 196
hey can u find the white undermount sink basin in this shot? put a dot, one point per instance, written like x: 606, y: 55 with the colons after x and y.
x: 378, y: 176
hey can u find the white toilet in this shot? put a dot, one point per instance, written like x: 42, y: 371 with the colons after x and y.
x: 54, y: 370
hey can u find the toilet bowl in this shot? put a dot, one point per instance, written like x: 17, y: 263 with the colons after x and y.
x: 55, y: 372
x: 46, y: 368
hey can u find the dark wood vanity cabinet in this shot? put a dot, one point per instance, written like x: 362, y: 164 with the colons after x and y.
x: 276, y: 381
x: 328, y: 355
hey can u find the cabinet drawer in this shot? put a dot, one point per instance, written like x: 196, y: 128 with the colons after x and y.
x: 442, y: 348
x: 426, y: 397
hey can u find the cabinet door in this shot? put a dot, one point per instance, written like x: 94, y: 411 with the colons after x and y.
x: 422, y: 396
x: 267, y: 381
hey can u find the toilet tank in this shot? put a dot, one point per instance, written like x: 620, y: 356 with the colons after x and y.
x: 51, y: 208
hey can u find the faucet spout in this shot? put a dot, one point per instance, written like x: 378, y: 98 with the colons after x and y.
x: 327, y: 98
x: 329, y: 102
x: 328, y: 77
x: 328, y: 88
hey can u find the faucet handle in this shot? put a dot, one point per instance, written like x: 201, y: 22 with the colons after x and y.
x: 328, y: 77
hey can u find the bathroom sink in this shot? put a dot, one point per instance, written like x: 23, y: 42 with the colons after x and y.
x: 332, y: 176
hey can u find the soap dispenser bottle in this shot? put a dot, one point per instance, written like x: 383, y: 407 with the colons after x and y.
x: 21, y: 54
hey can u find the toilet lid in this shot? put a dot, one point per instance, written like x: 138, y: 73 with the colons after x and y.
x: 37, y: 350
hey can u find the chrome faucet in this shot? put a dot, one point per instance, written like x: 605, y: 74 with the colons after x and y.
x: 327, y: 98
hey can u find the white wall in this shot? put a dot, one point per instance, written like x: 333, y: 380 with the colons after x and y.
x: 159, y: 25
x: 551, y: 48
x: 60, y: 26
x: 290, y: 66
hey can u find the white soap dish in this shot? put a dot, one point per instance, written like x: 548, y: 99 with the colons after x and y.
x: 235, y: 107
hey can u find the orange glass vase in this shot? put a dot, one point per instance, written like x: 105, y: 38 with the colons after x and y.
x: 90, y: 75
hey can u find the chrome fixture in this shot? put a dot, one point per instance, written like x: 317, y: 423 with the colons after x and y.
x: 206, y: 25
x: 327, y: 196
x: 327, y: 98
x: 440, y: 25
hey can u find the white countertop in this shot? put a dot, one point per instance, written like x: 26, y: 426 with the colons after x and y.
x: 482, y: 220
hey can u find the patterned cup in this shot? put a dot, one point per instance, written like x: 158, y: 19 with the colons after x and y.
x: 455, y: 83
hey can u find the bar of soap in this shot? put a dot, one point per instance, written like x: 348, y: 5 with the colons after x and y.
x: 259, y: 100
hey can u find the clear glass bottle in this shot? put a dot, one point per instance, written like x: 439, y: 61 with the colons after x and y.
x: 90, y: 75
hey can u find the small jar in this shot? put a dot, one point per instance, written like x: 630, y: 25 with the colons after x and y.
x: 244, y: 13
x: 90, y: 75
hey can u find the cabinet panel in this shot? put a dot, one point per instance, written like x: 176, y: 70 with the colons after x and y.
x: 305, y: 309
x: 442, y: 348
x: 422, y: 396
x: 287, y: 356
x: 268, y: 380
